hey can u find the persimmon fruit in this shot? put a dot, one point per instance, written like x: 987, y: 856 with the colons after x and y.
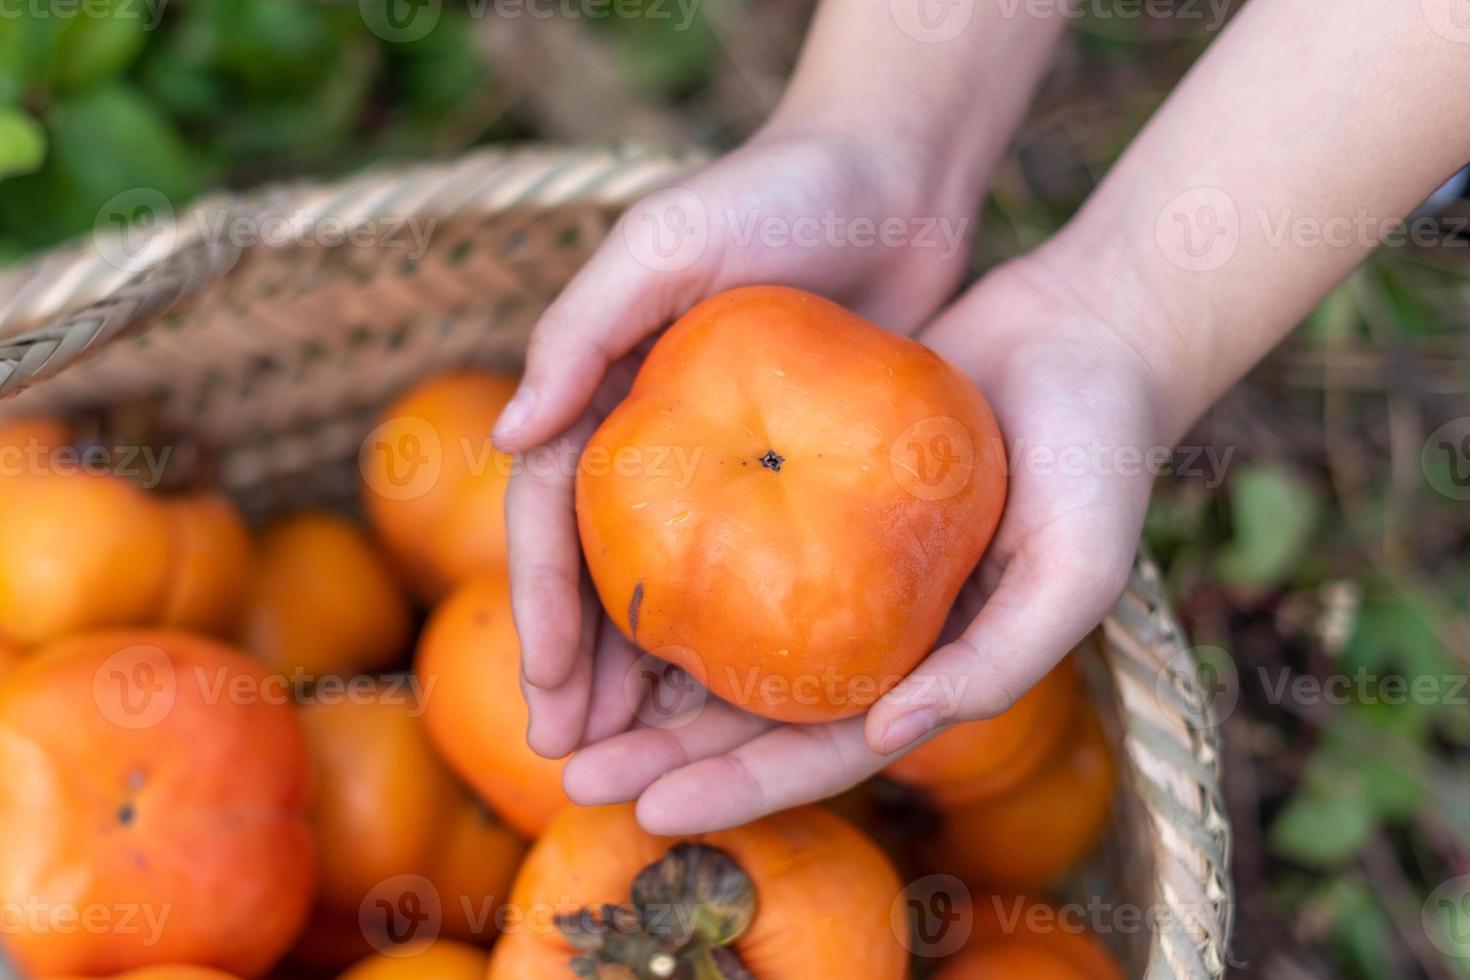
x: 1027, y: 837
x: 794, y: 895
x: 81, y: 551
x: 149, y: 769
x: 788, y: 501
x: 438, y: 960
x: 213, y: 557
x: 387, y: 807
x: 324, y: 600
x: 433, y: 486
x: 1026, y: 938
x: 979, y: 759
x: 468, y: 664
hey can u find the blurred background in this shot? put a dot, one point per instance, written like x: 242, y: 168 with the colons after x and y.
x: 1328, y: 557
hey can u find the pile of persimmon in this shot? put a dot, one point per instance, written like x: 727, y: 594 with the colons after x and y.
x: 299, y: 743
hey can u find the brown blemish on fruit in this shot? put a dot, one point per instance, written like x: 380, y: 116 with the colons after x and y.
x: 635, y: 604
x: 772, y: 461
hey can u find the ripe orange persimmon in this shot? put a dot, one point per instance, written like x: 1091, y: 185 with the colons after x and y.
x: 788, y: 501
x: 174, y: 972
x: 386, y: 807
x: 1026, y: 838
x: 78, y: 551
x: 794, y: 895
x: 468, y: 664
x: 29, y: 439
x: 324, y: 600
x: 980, y: 759
x: 433, y: 485
x: 1025, y: 938
x: 439, y: 960
x: 10, y: 658
x: 150, y: 770
x: 213, y: 557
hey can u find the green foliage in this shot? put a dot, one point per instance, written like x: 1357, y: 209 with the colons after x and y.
x: 1273, y: 514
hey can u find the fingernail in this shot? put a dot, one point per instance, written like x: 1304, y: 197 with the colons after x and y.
x: 908, y: 729
x: 515, y: 415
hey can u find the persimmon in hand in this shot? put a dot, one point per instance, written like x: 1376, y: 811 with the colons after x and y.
x: 788, y: 501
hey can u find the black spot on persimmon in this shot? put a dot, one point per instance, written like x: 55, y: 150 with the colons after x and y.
x: 772, y: 461
x: 126, y: 814
x: 635, y: 604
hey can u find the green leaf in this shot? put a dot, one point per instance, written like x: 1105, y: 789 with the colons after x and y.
x: 1273, y: 514
x: 104, y: 142
x: 1361, y: 928
x: 95, y: 48
x: 22, y: 142
x: 1324, y: 824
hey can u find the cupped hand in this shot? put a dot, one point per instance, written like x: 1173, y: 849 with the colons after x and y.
x: 823, y: 210
x: 1079, y: 406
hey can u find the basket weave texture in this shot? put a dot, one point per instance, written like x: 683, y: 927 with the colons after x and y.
x: 276, y: 356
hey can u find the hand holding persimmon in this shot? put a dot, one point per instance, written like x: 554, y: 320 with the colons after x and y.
x: 788, y: 501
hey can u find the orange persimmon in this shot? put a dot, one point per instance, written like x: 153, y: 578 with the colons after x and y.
x: 324, y: 601
x: 979, y: 759
x: 468, y: 665
x: 797, y: 894
x: 151, y: 770
x: 433, y: 486
x: 386, y: 808
x: 1026, y: 938
x: 788, y: 501
x: 441, y: 959
x: 213, y: 556
x: 78, y: 551
x: 1024, y: 839
x: 171, y: 972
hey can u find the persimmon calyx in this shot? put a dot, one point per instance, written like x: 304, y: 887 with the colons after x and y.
x: 686, y: 909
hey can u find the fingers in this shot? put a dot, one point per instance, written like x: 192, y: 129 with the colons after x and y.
x: 622, y: 767
x: 617, y: 299
x: 1051, y: 594
x: 615, y: 688
x: 784, y: 767
x: 545, y: 561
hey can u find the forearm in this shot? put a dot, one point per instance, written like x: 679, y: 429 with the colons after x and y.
x: 954, y: 88
x: 1303, y: 134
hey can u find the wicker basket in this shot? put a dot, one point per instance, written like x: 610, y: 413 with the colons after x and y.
x: 275, y: 356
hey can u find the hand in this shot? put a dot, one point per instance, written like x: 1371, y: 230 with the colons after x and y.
x: 1077, y: 403
x: 587, y: 347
